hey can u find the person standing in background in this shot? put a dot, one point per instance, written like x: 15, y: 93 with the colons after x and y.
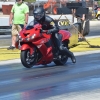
x: 80, y: 19
x: 95, y: 7
x: 18, y: 19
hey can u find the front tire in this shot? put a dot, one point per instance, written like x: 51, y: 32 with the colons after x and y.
x: 28, y: 60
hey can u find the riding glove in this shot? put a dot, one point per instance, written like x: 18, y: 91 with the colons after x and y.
x: 49, y: 32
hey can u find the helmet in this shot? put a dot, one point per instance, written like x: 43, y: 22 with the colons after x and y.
x: 39, y: 13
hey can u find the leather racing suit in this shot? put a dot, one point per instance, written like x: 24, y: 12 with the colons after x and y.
x: 49, y: 24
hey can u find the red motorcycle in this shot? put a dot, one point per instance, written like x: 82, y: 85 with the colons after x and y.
x: 38, y: 48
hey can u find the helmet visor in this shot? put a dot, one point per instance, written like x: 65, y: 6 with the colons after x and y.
x: 38, y: 16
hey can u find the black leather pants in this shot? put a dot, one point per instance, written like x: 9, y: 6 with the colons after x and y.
x: 57, y: 39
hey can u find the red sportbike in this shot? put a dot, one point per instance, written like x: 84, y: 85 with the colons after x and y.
x: 38, y: 48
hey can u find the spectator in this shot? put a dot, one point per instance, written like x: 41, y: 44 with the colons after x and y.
x: 18, y: 19
x: 80, y: 19
x: 95, y: 7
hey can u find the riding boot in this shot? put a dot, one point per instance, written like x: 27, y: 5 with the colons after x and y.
x: 70, y: 54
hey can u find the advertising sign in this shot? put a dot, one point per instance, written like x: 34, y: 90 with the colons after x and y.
x: 63, y: 22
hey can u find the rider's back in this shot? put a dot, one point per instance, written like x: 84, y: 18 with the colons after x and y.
x: 48, y: 23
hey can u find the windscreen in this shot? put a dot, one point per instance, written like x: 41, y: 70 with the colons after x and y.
x: 30, y: 25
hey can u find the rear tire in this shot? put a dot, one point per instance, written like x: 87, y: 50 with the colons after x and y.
x: 63, y: 58
x: 61, y: 61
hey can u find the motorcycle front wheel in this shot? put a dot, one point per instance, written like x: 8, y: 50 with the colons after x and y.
x: 28, y: 60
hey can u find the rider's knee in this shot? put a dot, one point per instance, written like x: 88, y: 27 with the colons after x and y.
x: 61, y: 48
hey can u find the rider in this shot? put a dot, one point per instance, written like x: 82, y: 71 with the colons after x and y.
x: 52, y: 28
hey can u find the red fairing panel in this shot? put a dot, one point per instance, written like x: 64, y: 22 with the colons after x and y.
x: 27, y: 46
x: 64, y: 32
x: 47, y: 55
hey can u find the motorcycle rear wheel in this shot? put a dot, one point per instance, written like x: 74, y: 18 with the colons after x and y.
x: 28, y: 60
x: 63, y: 58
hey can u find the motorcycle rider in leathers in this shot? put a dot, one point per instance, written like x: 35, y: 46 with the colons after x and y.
x: 52, y: 28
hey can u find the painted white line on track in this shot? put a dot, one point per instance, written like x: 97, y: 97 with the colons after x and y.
x: 10, y: 61
x: 86, y: 52
x: 91, y: 37
x: 3, y: 36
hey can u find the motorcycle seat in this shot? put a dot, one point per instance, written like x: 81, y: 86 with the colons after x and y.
x: 63, y: 27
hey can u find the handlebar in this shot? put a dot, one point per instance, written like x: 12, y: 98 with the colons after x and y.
x: 43, y: 31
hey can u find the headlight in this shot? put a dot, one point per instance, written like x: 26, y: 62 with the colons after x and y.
x: 33, y: 36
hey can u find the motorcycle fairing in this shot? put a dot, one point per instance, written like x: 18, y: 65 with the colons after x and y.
x: 29, y: 33
x: 44, y: 46
x: 27, y: 46
x: 47, y: 55
x: 65, y: 34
